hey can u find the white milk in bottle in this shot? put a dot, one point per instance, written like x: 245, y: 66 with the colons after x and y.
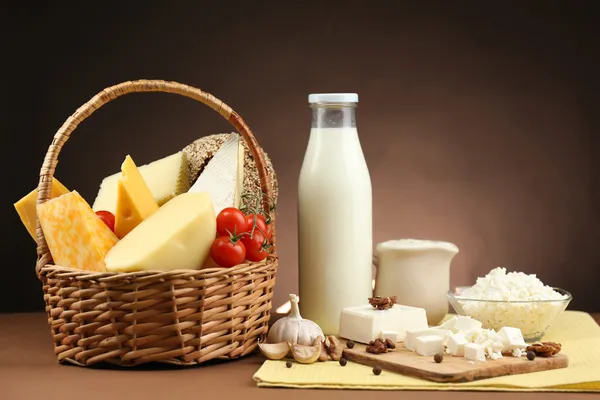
x: 335, y: 244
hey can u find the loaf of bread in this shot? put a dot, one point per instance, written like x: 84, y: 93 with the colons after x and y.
x: 201, y: 151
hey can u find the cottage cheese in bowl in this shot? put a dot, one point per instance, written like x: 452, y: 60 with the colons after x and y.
x: 514, y: 299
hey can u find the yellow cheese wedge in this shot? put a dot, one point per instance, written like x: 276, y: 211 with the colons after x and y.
x: 135, y: 201
x: 76, y: 237
x: 26, y: 206
x: 177, y: 236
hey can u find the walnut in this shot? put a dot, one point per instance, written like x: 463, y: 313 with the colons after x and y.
x: 389, y: 344
x: 545, y: 349
x: 382, y: 303
x: 335, y: 348
x: 376, y: 346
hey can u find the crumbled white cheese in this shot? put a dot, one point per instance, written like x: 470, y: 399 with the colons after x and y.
x: 498, y: 285
x: 490, y: 341
x: 518, y: 353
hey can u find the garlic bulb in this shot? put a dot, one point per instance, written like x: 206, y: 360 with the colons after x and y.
x: 294, y: 329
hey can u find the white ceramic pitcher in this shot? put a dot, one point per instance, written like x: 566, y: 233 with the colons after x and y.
x: 417, y: 272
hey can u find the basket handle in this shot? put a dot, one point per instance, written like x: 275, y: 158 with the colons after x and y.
x: 138, y: 86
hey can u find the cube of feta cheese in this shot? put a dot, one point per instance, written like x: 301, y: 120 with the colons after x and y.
x: 466, y: 324
x: 429, y: 345
x: 392, y: 335
x: 449, y: 324
x: 456, y: 344
x: 411, y: 336
x: 365, y: 323
x: 512, y: 338
x: 474, y: 351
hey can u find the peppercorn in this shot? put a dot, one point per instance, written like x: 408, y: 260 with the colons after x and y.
x: 377, y: 370
x: 438, y: 358
x: 288, y: 364
x: 343, y: 362
x: 530, y: 355
x: 350, y: 344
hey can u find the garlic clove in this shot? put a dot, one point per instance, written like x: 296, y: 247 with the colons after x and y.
x: 306, y: 354
x: 335, y: 348
x: 275, y: 351
x: 324, y: 356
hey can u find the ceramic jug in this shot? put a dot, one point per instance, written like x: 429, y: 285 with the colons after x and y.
x: 417, y: 272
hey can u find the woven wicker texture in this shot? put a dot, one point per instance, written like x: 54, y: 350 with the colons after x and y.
x: 182, y: 317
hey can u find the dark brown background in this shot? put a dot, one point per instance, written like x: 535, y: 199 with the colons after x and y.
x: 478, y: 122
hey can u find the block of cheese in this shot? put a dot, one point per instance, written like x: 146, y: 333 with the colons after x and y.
x: 429, y: 345
x: 76, y: 237
x: 512, y: 338
x: 26, y: 207
x: 364, y: 323
x: 456, y: 344
x: 474, y: 352
x: 466, y: 324
x: 177, y: 236
x: 223, y: 176
x: 166, y: 178
x: 135, y: 201
x: 392, y: 335
x: 410, y: 341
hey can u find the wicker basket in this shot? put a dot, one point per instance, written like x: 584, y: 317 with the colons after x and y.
x: 182, y: 317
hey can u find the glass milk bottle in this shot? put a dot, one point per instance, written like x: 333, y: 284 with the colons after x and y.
x: 335, y: 244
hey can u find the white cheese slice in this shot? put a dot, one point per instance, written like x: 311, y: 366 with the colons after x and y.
x: 512, y: 338
x: 429, y: 345
x: 466, y: 324
x: 365, y: 323
x: 410, y: 341
x: 475, y: 352
x: 223, y: 176
x: 456, y: 344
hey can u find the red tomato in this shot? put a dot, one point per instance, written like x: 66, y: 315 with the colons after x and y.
x: 108, y: 218
x: 231, y: 221
x: 227, y: 252
x: 256, y: 246
x: 261, y: 224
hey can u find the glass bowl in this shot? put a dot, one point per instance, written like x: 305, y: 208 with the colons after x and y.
x: 533, y: 317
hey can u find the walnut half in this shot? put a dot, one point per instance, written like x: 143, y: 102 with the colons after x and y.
x: 545, y: 349
x: 376, y: 346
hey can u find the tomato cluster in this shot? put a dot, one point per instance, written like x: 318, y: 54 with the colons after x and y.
x: 240, y: 237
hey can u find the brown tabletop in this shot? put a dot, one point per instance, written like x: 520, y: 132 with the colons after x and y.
x: 28, y: 370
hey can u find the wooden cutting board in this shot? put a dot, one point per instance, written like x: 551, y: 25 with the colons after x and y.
x: 451, y: 369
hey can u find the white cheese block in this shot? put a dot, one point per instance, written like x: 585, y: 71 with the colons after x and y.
x: 512, y: 338
x: 223, y: 176
x: 456, y: 344
x: 465, y: 324
x: 429, y: 345
x: 392, y: 335
x: 449, y: 324
x: 365, y: 323
x: 411, y: 336
x: 474, y: 351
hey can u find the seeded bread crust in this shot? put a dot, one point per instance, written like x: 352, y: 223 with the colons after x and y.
x: 201, y: 151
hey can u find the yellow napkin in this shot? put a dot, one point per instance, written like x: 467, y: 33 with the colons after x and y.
x: 577, y: 331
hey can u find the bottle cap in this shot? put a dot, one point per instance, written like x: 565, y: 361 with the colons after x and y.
x: 333, y: 98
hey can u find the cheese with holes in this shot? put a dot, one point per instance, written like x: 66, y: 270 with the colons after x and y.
x: 166, y: 178
x: 76, y: 237
x: 26, y: 207
x: 135, y: 201
x: 223, y: 176
x: 177, y: 236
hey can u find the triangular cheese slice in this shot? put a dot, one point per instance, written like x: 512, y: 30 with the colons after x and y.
x: 223, y: 176
x: 135, y: 201
x: 26, y: 206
